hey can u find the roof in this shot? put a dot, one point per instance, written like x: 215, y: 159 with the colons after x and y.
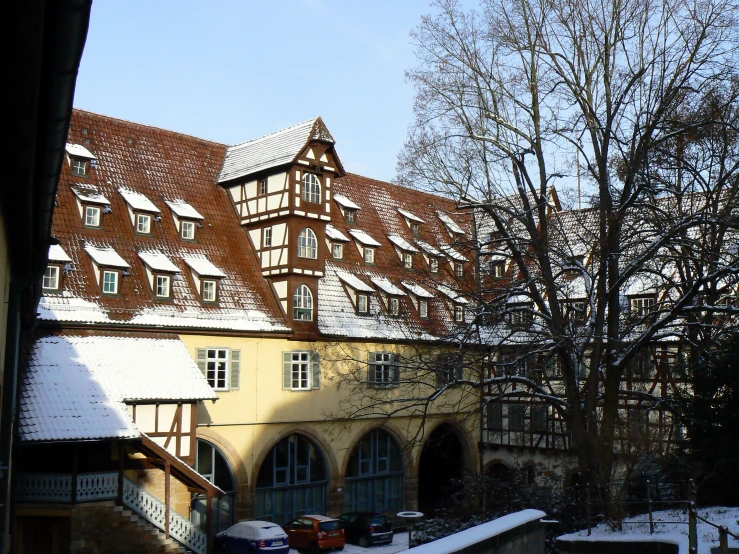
x: 57, y: 254
x: 452, y: 294
x: 334, y: 234
x: 183, y: 210
x: 345, y: 202
x: 158, y: 261
x: 354, y: 282
x: 138, y: 201
x: 79, y: 151
x: 401, y: 243
x: 203, y: 266
x: 89, y: 194
x: 450, y: 224
x: 105, y: 256
x: 426, y: 247
x: 408, y: 215
x: 363, y: 237
x: 387, y: 286
x: 451, y: 252
x: 273, y: 150
x: 417, y: 290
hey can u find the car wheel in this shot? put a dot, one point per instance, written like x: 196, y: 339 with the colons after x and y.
x: 363, y: 542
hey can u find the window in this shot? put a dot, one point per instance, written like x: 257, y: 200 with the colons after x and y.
x: 143, y: 224
x: 449, y: 367
x: 307, y: 244
x: 434, y: 265
x: 262, y: 187
x: 303, y: 304
x: 538, y: 418
x: 642, y: 307
x: 51, y: 278
x: 110, y: 282
x: 383, y: 369
x: 188, y: 230
x: 458, y: 313
x: 497, y: 269
x: 516, y: 415
x: 210, y: 288
x: 408, y: 261
x: 311, y: 188
x: 374, y: 476
x: 520, y: 316
x: 415, y: 228
x: 267, y: 237
x: 458, y: 270
x: 362, y: 304
x: 369, y: 255
x: 575, y: 311
x: 162, y: 286
x: 92, y: 216
x: 301, y: 370
x: 394, y: 306
x: 350, y: 216
x: 214, y: 466
x: 337, y: 250
x: 79, y: 167
x: 423, y: 308
x: 221, y: 367
x: 495, y: 415
x: 642, y: 367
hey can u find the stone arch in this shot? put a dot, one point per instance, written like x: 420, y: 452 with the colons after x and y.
x: 497, y: 467
x: 408, y: 461
x: 469, y: 452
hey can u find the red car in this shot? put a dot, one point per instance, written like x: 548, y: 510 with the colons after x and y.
x: 315, y: 533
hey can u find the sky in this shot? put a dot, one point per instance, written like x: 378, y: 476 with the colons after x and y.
x: 230, y: 71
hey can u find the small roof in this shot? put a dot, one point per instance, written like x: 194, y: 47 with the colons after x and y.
x: 158, y: 261
x: 401, y: 243
x: 452, y: 294
x: 344, y: 202
x: 57, y: 254
x: 105, y: 256
x: 386, y: 285
x: 451, y: 252
x: 363, y: 237
x: 354, y: 282
x: 410, y: 216
x: 416, y: 290
x: 426, y: 247
x: 334, y: 234
x: 203, y: 266
x: 89, y: 194
x: 450, y: 224
x: 138, y: 201
x: 183, y: 210
x: 79, y: 151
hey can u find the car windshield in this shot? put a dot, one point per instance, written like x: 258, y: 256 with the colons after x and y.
x: 379, y: 520
x: 329, y: 525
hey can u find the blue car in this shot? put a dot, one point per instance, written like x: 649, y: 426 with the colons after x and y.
x: 252, y: 537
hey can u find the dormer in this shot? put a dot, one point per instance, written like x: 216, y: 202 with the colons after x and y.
x: 108, y: 268
x: 80, y: 159
x: 336, y: 240
x: 366, y: 245
x: 348, y: 209
x: 186, y: 219
x: 404, y: 249
x: 58, y: 262
x: 412, y: 221
x: 456, y: 260
x: 91, y: 204
x: 455, y: 302
x: 160, y: 272
x: 141, y: 210
x: 207, y: 278
x: 420, y: 298
x: 454, y: 230
x: 390, y: 295
x: 358, y: 291
x: 431, y: 255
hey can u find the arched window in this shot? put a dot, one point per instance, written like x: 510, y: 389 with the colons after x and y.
x: 307, y: 244
x: 374, y: 478
x: 311, y: 188
x: 211, y: 464
x: 292, y: 481
x: 303, y: 304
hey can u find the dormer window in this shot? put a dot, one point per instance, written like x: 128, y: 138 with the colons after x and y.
x: 408, y: 261
x: 458, y: 313
x: 110, y: 282
x: 160, y: 271
x: 362, y: 304
x: 423, y: 309
x: 415, y: 228
x: 394, y: 306
x: 143, y: 224
x: 369, y: 255
x: 162, y: 289
x: 458, y: 269
x: 311, y: 188
x: 351, y: 216
x: 643, y: 306
x: 80, y: 167
x: 206, y: 277
x: 185, y: 218
x: 141, y: 209
x: 434, y: 265
x: 79, y: 158
x: 51, y: 278
x: 337, y: 251
x: 210, y: 290
x: 303, y: 304
x: 92, y: 216
x: 497, y: 270
x: 187, y: 230
x: 413, y: 221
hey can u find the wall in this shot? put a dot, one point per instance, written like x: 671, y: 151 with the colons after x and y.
x: 153, y: 482
x: 616, y: 547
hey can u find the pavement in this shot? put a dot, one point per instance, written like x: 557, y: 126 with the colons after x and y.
x: 400, y: 543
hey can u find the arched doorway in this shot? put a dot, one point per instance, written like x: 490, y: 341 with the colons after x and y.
x: 442, y: 463
x: 292, y: 481
x: 374, y: 476
x: 212, y: 464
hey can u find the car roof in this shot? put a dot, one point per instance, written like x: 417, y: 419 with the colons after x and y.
x: 260, y: 529
x: 319, y: 517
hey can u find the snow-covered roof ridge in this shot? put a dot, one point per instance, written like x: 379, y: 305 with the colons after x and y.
x: 426, y: 247
x: 138, y: 201
x: 354, y: 282
x: 401, y: 243
x: 57, y: 254
x: 363, y: 237
x: 334, y: 234
x: 79, y: 151
x: 203, y: 266
x: 157, y: 261
x: 451, y: 252
x: 450, y: 224
x: 416, y: 289
x: 452, y: 294
x: 345, y: 202
x: 387, y: 286
x: 408, y: 215
x: 105, y: 256
x: 89, y: 193
x: 183, y: 209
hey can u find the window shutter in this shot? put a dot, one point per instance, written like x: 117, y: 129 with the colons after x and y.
x: 315, y: 369
x: 235, y: 369
x: 371, y: 369
x: 287, y: 370
x: 396, y: 370
x: 202, y: 357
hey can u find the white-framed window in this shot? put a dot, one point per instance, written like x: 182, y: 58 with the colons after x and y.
x: 497, y: 269
x: 383, y: 369
x: 394, y: 306
x: 301, y: 370
x: 221, y: 367
x: 458, y: 270
x: 575, y: 311
x: 307, y: 244
x: 350, y: 215
x: 143, y: 224
x: 210, y: 288
x: 415, y: 228
x: 267, y: 237
x: 337, y: 251
x: 51, y: 278
x: 79, y: 167
x: 520, y: 316
x: 434, y: 265
x: 311, y: 188
x: 187, y: 230
x: 408, y: 260
x: 362, y: 304
x: 92, y: 216
x: 110, y: 282
x: 458, y: 313
x: 162, y: 286
x: 369, y: 255
x: 262, y: 187
x: 303, y: 304
x: 641, y: 307
x: 423, y: 308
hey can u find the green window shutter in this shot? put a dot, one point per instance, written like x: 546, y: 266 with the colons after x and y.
x: 287, y: 370
x: 396, y: 370
x: 235, y: 369
x: 202, y: 357
x: 315, y: 369
x: 371, y: 368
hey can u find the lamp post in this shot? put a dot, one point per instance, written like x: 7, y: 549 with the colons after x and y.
x: 410, y: 516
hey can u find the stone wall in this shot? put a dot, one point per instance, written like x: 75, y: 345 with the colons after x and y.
x: 152, y: 481
x: 616, y: 547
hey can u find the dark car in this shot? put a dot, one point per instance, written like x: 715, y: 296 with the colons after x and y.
x: 252, y: 537
x: 315, y: 533
x: 366, y: 528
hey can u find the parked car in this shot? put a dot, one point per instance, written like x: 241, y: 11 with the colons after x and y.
x: 315, y: 533
x: 252, y: 537
x: 366, y: 528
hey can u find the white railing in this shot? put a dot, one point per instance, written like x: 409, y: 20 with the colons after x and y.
x: 97, y: 486
x: 43, y: 487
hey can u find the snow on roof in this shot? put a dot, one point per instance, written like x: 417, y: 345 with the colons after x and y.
x: 363, y: 237
x: 410, y: 216
x: 272, y: 150
x: 203, y: 266
x: 138, y: 201
x: 105, y: 256
x: 79, y: 151
x: 57, y: 254
x: 417, y: 290
x: 183, y: 210
x: 354, y: 282
x: 56, y: 308
x: 320, y: 517
x: 451, y: 252
x: 401, y: 243
x: 344, y: 202
x: 387, y: 286
x: 158, y: 261
x: 90, y: 194
x: 75, y: 387
x: 450, y: 224
x: 426, y: 247
x: 334, y: 234
x: 452, y: 294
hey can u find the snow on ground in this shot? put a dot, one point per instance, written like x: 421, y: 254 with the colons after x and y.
x: 400, y: 542
x: 676, y: 531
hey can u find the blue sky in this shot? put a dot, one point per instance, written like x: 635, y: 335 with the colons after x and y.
x: 232, y: 71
